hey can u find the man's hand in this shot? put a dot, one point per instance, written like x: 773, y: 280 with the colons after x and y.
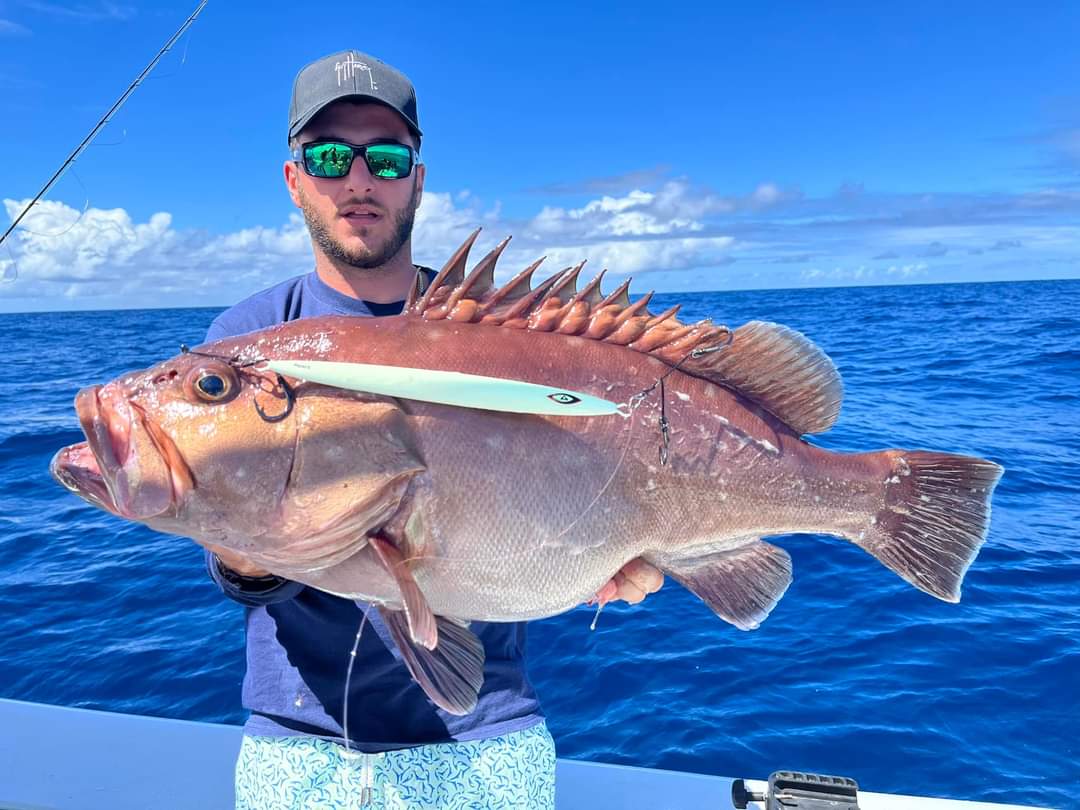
x: 235, y: 561
x: 634, y: 581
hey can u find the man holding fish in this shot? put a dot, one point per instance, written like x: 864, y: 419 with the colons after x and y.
x: 330, y: 506
x: 355, y: 172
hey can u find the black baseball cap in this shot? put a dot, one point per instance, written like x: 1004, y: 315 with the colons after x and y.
x: 350, y: 74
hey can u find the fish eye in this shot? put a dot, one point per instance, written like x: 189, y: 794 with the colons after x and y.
x: 212, y: 384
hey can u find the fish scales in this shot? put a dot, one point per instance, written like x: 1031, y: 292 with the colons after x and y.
x: 443, y: 515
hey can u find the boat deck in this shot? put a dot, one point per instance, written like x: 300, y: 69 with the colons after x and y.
x: 59, y: 758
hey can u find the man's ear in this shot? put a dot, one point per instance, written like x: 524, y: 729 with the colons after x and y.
x: 421, y: 173
x: 292, y: 177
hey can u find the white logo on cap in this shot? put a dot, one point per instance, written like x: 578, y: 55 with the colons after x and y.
x: 345, y: 71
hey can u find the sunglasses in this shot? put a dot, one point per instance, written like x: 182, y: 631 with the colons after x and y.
x: 334, y: 159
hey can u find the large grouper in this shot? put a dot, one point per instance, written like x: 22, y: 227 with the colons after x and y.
x: 440, y: 514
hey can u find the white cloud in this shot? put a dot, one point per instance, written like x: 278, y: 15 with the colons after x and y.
x: 864, y: 274
x: 679, y: 235
x: 60, y: 252
x: 634, y: 257
x: 636, y: 214
x: 765, y: 195
x: 633, y: 234
x: 12, y: 28
x: 103, y: 258
x: 82, y: 12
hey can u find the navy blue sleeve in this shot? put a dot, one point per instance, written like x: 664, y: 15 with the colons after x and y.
x: 227, y: 325
x: 252, y: 592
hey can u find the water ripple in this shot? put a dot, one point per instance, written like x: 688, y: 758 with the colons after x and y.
x: 854, y: 673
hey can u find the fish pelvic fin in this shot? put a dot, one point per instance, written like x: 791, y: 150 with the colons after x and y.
x: 451, y: 674
x: 777, y: 368
x: 422, y: 626
x: 741, y: 585
x: 935, y: 517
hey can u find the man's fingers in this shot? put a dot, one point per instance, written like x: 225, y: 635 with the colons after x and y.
x: 628, y: 590
x: 607, y: 593
x: 644, y: 577
x: 632, y: 583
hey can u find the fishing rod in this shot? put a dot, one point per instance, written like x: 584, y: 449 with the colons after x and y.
x: 105, y: 118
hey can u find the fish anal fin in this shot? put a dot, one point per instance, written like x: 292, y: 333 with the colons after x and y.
x: 741, y: 586
x: 452, y: 673
x: 779, y: 369
x: 420, y: 621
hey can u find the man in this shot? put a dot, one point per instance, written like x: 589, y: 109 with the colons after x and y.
x: 354, y: 171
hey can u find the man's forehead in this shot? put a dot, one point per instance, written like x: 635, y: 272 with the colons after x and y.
x: 357, y: 115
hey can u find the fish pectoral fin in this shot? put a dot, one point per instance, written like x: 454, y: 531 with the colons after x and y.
x: 452, y: 673
x: 421, y: 622
x: 741, y: 586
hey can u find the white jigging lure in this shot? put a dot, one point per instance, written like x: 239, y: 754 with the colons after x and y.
x: 448, y: 388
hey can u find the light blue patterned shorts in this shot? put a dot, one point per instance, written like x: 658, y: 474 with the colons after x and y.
x: 515, y: 770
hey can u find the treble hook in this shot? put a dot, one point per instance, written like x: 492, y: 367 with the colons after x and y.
x: 290, y: 400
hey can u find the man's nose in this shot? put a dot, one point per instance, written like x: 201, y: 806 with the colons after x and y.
x: 359, y: 175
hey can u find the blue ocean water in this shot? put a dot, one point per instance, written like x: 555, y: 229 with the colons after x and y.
x: 854, y: 673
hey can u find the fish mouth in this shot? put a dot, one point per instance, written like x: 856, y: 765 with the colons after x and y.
x: 128, y: 465
x: 77, y: 470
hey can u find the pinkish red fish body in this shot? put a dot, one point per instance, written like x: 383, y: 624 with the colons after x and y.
x: 442, y: 515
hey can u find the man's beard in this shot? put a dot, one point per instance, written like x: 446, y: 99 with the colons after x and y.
x: 365, y: 258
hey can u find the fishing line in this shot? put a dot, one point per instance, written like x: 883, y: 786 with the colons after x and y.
x: 105, y: 118
x: 123, y: 139
x: 367, y: 776
x: 240, y: 368
x: 183, y: 61
x: 76, y: 221
x: 11, y: 272
x: 348, y: 679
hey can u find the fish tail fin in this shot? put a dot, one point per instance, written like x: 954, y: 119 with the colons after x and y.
x: 934, y: 516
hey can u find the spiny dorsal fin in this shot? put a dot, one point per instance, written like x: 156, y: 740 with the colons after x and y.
x: 518, y: 287
x: 481, y: 280
x: 466, y: 299
x: 590, y: 294
x: 452, y: 274
x: 621, y: 296
x: 566, y: 288
x: 774, y: 366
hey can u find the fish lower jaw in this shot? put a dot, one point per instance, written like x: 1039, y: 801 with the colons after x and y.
x: 76, y: 470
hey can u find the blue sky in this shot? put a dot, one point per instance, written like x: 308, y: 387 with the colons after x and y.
x: 694, y: 146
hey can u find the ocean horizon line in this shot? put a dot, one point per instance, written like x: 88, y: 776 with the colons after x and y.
x: 633, y: 294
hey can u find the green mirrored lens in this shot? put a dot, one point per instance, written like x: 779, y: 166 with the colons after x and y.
x: 328, y: 159
x: 389, y: 160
